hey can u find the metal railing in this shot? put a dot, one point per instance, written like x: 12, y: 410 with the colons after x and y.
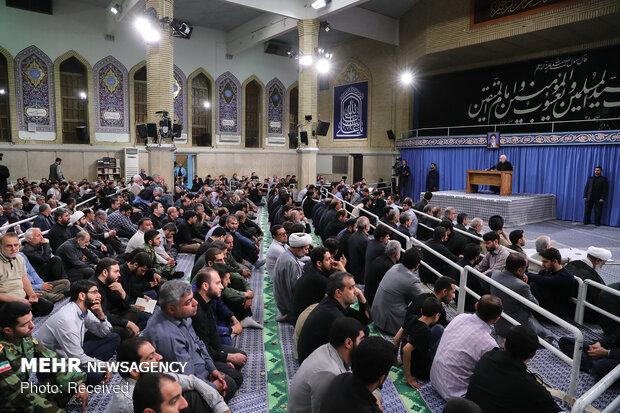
x: 7, y: 226
x: 582, y: 303
x: 574, y: 362
x: 595, y: 391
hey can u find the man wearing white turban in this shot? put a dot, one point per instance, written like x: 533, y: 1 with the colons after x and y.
x: 287, y: 271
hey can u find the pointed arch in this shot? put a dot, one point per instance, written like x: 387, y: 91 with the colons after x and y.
x: 132, y: 99
x: 275, y: 104
x: 292, y: 115
x: 111, y: 100
x: 10, y: 94
x: 259, y: 114
x: 228, y: 108
x: 34, y: 90
x: 190, y: 103
x: 90, y: 117
x: 179, y: 93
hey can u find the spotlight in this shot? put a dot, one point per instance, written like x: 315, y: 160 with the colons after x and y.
x: 181, y: 29
x: 116, y: 9
x: 323, y: 65
x: 206, y: 104
x: 319, y: 4
x: 406, y: 78
x: 305, y: 60
x: 149, y: 33
x: 325, y: 26
x: 83, y: 95
x: 2, y: 91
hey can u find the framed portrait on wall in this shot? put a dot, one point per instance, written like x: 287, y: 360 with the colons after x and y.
x: 493, y: 140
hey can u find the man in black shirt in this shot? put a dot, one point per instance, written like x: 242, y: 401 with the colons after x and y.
x: 341, y: 294
x: 502, y: 165
x: 595, y: 194
x: 432, y: 179
x: 227, y: 359
x: 379, y: 267
x: 419, y: 206
x: 440, y: 237
x: 418, y: 340
x: 444, y: 289
x: 352, y: 392
x: 501, y: 383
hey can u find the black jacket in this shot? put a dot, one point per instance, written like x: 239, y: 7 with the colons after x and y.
x: 38, y: 255
x: 596, y: 188
x: 374, y: 249
x: 432, y: 180
x: 376, y: 271
x: 57, y: 236
x: 42, y: 222
x: 309, y: 289
x: 357, y: 252
x: 426, y: 276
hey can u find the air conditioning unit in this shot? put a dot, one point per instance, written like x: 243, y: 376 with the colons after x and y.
x: 132, y: 163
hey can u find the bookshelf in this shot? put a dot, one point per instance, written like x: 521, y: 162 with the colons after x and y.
x: 108, y: 168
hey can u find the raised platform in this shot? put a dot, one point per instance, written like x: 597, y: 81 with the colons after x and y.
x: 516, y: 209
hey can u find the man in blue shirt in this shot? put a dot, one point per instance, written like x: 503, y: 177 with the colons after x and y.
x: 170, y: 331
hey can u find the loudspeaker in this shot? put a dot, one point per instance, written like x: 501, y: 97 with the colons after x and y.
x: 293, y: 142
x: 151, y: 130
x: 391, y: 135
x: 82, y: 133
x: 304, y: 136
x: 176, y: 130
x: 142, y: 131
x: 322, y: 128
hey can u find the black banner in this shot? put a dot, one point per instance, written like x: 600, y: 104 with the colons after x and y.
x: 581, y: 86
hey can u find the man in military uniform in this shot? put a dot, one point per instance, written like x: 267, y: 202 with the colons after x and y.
x: 17, y: 343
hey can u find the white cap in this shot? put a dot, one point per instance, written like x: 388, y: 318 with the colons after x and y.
x: 600, y: 253
x: 77, y: 215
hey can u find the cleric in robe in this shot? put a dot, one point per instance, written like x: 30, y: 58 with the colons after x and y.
x: 502, y: 165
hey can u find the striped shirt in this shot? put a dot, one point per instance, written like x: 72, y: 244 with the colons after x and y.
x: 462, y: 344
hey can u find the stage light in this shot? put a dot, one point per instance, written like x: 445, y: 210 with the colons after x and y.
x: 206, y: 104
x: 181, y: 29
x: 406, y: 78
x: 325, y: 26
x: 318, y: 4
x: 305, y: 60
x: 323, y: 65
x: 149, y: 33
x: 2, y: 91
x: 83, y: 95
x: 116, y: 9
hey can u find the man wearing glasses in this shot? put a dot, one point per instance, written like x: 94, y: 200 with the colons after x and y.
x: 64, y: 331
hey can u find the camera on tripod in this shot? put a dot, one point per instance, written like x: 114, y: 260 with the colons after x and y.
x: 397, y: 167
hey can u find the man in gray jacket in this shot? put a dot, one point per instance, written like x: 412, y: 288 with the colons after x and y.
x: 514, y: 277
x: 56, y: 172
x: 397, y: 289
x: 313, y: 378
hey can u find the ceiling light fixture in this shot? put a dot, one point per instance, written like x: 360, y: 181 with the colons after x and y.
x: 115, y: 9
x: 206, y: 104
x: 325, y: 26
x: 319, y: 4
x: 83, y: 95
x: 305, y: 60
x: 406, y: 78
x: 323, y: 65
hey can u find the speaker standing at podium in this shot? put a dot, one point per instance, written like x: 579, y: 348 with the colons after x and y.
x: 502, y: 165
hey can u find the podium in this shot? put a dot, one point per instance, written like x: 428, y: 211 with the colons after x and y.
x: 503, y: 179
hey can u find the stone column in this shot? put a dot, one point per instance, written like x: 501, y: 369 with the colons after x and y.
x: 308, y: 31
x: 159, y: 87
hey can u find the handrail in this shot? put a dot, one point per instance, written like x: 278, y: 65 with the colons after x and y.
x: 7, y: 226
x: 576, y: 360
x: 581, y: 301
x: 598, y: 389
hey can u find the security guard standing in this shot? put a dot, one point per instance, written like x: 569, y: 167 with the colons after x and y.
x: 17, y: 343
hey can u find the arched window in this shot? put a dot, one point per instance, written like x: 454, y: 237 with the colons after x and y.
x: 139, y: 103
x: 74, y: 98
x: 5, y: 118
x: 293, y: 110
x: 253, y: 114
x: 201, y: 111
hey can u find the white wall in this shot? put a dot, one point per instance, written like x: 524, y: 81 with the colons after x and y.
x: 81, y: 27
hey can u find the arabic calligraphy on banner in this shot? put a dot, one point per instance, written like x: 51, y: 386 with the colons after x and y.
x: 571, y: 87
x: 484, y: 12
x: 351, y: 111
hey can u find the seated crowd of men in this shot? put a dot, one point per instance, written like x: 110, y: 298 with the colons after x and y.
x: 315, y: 288
x: 123, y: 247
